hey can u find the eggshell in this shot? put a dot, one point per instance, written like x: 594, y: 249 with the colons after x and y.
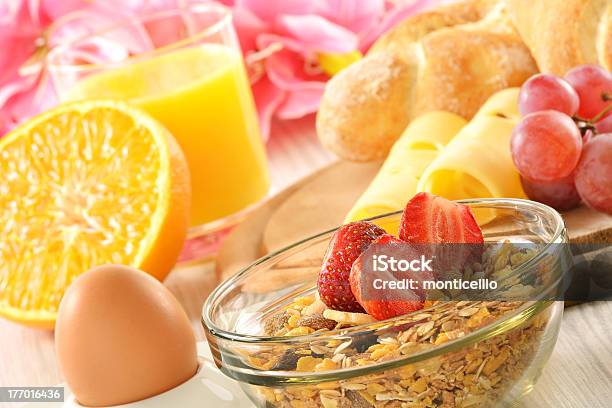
x: 121, y: 336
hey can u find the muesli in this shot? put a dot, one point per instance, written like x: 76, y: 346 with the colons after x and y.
x: 474, y: 375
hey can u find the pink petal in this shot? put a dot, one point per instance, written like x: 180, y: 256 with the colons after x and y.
x: 354, y: 15
x: 10, y: 10
x: 24, y: 92
x: 18, y: 34
x: 248, y: 26
x: 266, y: 39
x: 287, y: 70
x: 54, y: 9
x: 21, y: 48
x: 318, y: 34
x: 143, y: 6
x: 23, y: 99
x: 267, y: 99
x: 300, y: 103
x: 110, y: 46
x: 269, y: 10
x: 167, y: 31
x: 7, y: 123
x: 15, y: 87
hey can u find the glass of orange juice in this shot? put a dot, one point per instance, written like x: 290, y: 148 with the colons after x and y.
x: 185, y: 68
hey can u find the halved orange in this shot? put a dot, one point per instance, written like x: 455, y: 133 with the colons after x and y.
x: 85, y: 184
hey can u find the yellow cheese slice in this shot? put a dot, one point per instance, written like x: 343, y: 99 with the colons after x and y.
x: 397, y: 180
x: 477, y: 162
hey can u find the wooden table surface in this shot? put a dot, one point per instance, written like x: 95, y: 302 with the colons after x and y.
x: 579, y: 373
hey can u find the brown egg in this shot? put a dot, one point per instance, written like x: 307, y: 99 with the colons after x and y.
x: 121, y: 336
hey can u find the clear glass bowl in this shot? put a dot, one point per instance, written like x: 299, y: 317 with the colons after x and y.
x: 463, y: 354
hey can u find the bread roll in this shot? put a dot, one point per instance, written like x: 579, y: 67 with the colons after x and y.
x: 563, y: 34
x: 450, y: 59
x: 366, y: 107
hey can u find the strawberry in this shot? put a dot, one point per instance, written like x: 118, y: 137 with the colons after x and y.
x: 438, y: 222
x: 387, y: 239
x: 386, y: 303
x: 429, y: 219
x: 347, y: 243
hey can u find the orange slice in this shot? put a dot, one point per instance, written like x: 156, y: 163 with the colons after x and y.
x: 86, y: 184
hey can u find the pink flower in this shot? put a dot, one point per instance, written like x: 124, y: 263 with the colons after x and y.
x: 29, y: 28
x: 292, y: 47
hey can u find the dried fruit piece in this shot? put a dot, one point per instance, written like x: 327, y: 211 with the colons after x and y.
x: 287, y: 361
x: 317, y: 322
x: 364, y: 341
x: 347, y: 243
x: 275, y: 323
x: 357, y: 400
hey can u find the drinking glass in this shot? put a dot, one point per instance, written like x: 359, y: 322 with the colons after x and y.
x: 184, y: 67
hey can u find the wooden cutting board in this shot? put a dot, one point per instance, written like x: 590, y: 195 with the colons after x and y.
x: 320, y: 201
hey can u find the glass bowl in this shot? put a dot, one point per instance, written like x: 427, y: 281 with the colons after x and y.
x: 459, y: 353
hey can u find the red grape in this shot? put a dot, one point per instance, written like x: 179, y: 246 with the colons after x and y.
x: 604, y: 125
x: 546, y: 146
x: 544, y: 92
x: 559, y: 194
x: 594, y: 173
x: 591, y: 82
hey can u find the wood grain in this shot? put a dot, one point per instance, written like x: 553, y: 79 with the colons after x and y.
x: 319, y: 204
x: 587, y: 226
x: 579, y: 372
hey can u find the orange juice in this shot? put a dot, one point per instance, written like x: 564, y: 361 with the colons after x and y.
x: 202, y: 95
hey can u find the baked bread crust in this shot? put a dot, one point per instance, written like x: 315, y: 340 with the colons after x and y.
x: 564, y: 34
x: 452, y: 58
x: 366, y: 108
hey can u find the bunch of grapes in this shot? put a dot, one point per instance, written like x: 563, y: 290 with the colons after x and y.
x: 563, y: 145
